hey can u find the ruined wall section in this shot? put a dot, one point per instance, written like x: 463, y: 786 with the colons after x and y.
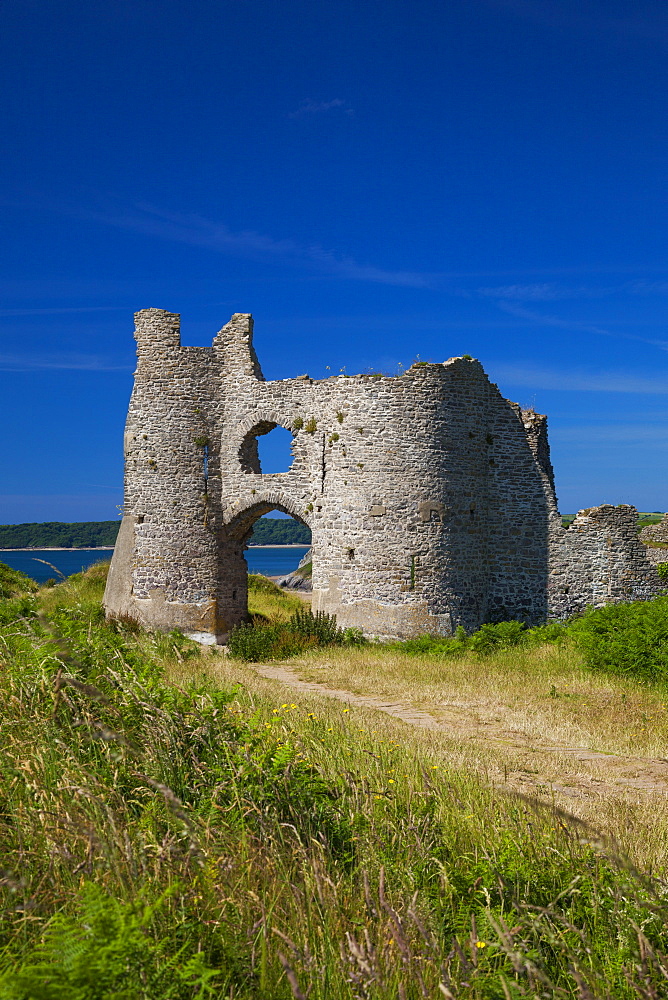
x: 357, y: 480
x: 521, y: 504
x: 370, y: 461
x: 172, y: 483
x: 598, y: 560
x: 655, y: 533
x: 393, y: 477
x: 656, y: 556
x: 654, y: 538
x: 535, y: 428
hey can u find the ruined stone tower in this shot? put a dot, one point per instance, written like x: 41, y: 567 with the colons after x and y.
x: 430, y: 497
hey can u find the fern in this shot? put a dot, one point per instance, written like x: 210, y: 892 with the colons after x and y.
x: 107, y: 951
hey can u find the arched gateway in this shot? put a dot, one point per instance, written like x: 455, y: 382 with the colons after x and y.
x: 430, y: 497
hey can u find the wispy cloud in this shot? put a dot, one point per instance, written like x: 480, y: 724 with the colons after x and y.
x: 646, y: 287
x: 579, y: 379
x: 618, y: 433
x: 551, y: 292
x: 197, y: 231
x: 51, y: 288
x: 65, y: 362
x: 545, y: 292
x: 309, y: 108
x: 56, y: 310
x: 543, y: 319
x: 575, y: 326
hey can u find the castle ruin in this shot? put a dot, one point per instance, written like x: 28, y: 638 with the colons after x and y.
x: 429, y: 496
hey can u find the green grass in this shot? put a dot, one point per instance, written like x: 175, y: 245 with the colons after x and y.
x: 268, y: 603
x: 649, y: 518
x: 13, y: 583
x: 162, y: 840
x: 305, y: 571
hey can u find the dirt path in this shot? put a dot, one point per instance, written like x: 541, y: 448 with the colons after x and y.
x: 613, y: 772
x: 304, y: 595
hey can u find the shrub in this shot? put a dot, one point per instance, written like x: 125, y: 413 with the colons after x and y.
x: 354, y: 637
x: 259, y: 642
x: 501, y: 635
x: 254, y: 643
x: 553, y: 632
x: 488, y: 639
x: 435, y: 644
x: 626, y: 638
x: 319, y: 626
x: 16, y: 608
x: 662, y: 570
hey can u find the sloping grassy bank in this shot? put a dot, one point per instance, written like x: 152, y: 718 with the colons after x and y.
x: 160, y: 841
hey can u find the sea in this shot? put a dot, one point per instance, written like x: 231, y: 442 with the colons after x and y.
x: 54, y: 564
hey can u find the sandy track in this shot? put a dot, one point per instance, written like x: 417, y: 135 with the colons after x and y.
x: 613, y: 772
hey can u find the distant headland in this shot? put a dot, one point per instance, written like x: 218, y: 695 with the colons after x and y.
x: 102, y: 534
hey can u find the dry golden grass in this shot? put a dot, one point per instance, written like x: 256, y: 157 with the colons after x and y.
x: 538, y: 696
x: 634, y: 815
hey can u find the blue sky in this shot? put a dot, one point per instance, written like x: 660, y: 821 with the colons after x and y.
x: 375, y: 181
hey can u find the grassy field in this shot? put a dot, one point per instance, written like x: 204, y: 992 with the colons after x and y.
x: 173, y: 824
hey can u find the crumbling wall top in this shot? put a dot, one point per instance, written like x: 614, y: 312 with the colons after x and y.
x: 233, y: 346
x: 156, y: 329
x: 607, y: 515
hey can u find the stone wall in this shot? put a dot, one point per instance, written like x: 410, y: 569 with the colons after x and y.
x: 430, y: 497
x: 657, y: 533
x: 597, y: 560
x: 655, y: 539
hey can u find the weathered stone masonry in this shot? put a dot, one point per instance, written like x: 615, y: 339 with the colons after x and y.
x: 430, y: 497
x: 655, y: 538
